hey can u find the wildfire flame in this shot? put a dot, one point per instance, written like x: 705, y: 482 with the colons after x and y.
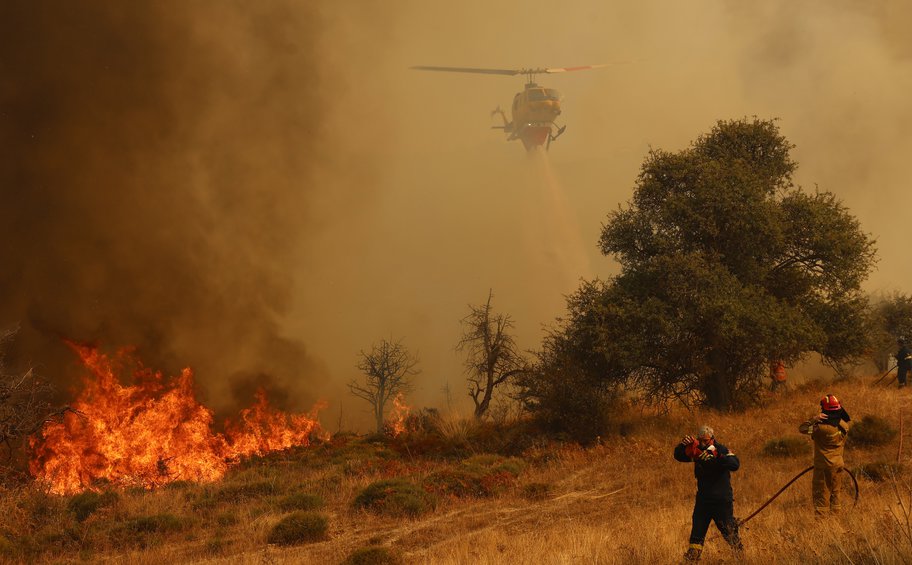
x: 398, y: 416
x: 152, y: 432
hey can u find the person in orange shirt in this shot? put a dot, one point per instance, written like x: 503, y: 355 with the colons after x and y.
x: 777, y: 375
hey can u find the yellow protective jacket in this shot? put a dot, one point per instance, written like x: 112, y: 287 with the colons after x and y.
x: 829, y: 441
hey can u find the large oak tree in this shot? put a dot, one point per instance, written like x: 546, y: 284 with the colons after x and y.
x: 725, y: 266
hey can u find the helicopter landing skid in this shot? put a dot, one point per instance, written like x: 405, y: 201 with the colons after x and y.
x: 552, y: 137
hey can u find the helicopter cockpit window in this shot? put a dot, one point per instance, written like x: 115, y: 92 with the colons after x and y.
x: 543, y: 94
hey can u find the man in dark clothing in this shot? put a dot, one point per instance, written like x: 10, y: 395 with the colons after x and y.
x: 903, y: 362
x: 713, y: 464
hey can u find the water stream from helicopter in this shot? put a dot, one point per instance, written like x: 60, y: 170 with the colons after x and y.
x: 559, y: 233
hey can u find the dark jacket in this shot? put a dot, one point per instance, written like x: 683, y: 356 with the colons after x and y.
x: 713, y: 476
x: 904, y: 358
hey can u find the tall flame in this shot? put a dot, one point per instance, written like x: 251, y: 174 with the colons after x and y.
x: 399, y: 415
x: 152, y: 432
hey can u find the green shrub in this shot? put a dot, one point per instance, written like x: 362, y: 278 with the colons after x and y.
x: 300, y: 501
x: 373, y: 556
x: 85, y: 504
x: 478, y: 476
x: 459, y: 483
x: 144, y: 531
x: 787, y: 447
x: 536, y: 491
x: 879, y: 471
x: 871, y: 431
x: 299, y: 527
x: 394, y: 497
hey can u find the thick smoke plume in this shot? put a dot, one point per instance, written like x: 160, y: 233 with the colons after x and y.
x: 156, y: 182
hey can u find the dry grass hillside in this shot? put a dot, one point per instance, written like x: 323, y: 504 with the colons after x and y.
x: 438, y: 498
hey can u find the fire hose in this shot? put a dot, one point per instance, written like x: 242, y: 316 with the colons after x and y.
x: 885, y: 374
x: 788, y: 484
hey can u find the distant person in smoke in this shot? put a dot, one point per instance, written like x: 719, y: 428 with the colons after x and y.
x: 903, y: 362
x: 829, y: 430
x: 713, y: 464
x: 777, y: 375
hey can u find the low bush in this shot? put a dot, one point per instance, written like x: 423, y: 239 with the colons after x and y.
x: 787, y: 447
x: 879, y: 471
x: 145, y: 531
x: 298, y: 528
x: 458, y: 483
x: 300, y: 501
x: 478, y: 476
x: 85, y: 504
x: 394, y: 497
x: 374, y: 555
x: 871, y: 431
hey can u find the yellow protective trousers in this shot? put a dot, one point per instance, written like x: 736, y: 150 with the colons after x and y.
x: 826, y: 488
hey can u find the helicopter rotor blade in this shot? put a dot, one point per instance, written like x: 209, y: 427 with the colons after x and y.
x: 509, y: 72
x: 568, y: 69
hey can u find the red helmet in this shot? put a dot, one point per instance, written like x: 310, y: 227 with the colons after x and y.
x: 830, y: 402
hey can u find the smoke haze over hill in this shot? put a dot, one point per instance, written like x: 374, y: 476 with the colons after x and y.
x: 262, y: 190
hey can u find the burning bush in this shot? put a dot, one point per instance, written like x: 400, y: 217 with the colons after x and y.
x: 871, y: 431
x: 787, y: 447
x: 299, y: 527
x: 153, y: 432
x: 394, y: 497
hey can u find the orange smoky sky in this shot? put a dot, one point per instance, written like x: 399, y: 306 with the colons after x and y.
x: 261, y: 190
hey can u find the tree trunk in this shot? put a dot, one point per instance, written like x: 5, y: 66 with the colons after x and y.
x: 482, y: 407
x: 378, y: 413
x: 718, y: 391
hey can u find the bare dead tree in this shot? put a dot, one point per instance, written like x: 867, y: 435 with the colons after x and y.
x: 388, y: 369
x: 492, y: 357
x: 25, y: 402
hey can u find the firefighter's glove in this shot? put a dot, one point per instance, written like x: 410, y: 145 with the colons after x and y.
x: 707, y: 455
x: 687, y: 440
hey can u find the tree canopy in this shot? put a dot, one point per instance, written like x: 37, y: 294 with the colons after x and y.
x: 726, y: 266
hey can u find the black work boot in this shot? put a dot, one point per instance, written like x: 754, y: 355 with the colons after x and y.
x: 693, y: 553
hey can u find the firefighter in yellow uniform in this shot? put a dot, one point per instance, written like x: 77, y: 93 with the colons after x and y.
x: 828, y: 430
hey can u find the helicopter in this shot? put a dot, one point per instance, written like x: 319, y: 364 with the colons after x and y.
x: 534, y: 109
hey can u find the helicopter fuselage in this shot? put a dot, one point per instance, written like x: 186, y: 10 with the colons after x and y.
x: 534, y: 111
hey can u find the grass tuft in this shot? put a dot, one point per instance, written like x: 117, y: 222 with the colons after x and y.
x: 879, y: 471
x: 871, y: 431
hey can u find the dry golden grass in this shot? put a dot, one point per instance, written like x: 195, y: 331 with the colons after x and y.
x: 623, y: 501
